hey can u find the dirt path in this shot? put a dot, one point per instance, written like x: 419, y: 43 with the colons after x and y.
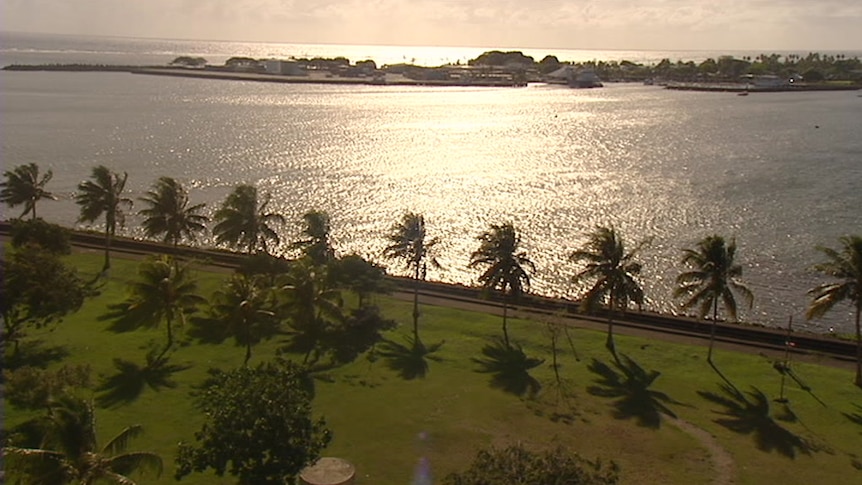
x: 722, y: 463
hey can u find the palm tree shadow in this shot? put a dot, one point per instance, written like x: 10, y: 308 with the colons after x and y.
x: 727, y: 381
x: 206, y: 330
x: 749, y: 413
x: 35, y: 353
x: 630, y: 385
x: 131, y: 379
x: 509, y: 367
x: 856, y: 417
x: 786, y: 370
x: 409, y: 361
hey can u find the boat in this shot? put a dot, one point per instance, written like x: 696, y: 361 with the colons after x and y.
x: 574, y: 77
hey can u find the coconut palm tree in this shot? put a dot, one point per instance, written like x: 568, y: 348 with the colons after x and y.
x: 715, y: 277
x: 614, y: 274
x: 69, y: 452
x: 102, y: 195
x: 311, y: 306
x: 163, y: 292
x: 245, y: 310
x: 506, y: 266
x: 408, y: 242
x: 243, y: 220
x: 317, y: 245
x: 845, y: 265
x: 169, y: 214
x: 23, y: 186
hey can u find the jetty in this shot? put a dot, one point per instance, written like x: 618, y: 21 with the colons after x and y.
x: 749, y: 88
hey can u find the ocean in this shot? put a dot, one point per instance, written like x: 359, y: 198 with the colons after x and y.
x: 780, y: 172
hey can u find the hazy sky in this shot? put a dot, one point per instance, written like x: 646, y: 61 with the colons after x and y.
x: 572, y: 24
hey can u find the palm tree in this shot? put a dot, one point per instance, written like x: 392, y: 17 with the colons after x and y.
x: 102, y: 195
x: 506, y: 265
x: 715, y: 277
x: 846, y: 267
x: 164, y: 291
x: 169, y: 214
x: 23, y: 186
x: 317, y: 245
x: 244, y: 308
x: 243, y: 222
x: 614, y: 273
x: 407, y: 242
x: 69, y: 452
x: 312, y: 307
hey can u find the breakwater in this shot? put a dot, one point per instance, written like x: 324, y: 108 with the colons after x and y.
x: 746, y: 88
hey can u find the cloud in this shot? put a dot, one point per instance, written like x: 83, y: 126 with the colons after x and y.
x: 645, y: 24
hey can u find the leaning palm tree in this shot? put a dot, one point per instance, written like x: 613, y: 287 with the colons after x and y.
x: 163, y: 292
x: 69, y: 452
x: 316, y: 245
x: 506, y: 266
x: 23, y: 186
x: 714, y: 278
x: 243, y: 220
x: 102, y: 195
x: 845, y: 266
x: 408, y: 242
x: 168, y: 213
x: 614, y: 274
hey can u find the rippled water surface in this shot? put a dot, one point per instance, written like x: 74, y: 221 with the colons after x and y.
x: 782, y: 172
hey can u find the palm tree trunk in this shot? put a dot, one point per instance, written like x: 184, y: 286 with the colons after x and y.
x: 712, y: 329
x: 858, y: 348
x: 609, y: 343
x: 247, y: 344
x: 108, y: 235
x: 170, y: 339
x: 416, y: 304
x: 505, y: 311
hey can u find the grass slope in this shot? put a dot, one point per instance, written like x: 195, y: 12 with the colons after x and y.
x: 384, y: 424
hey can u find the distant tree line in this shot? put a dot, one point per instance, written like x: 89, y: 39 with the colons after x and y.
x: 813, y: 67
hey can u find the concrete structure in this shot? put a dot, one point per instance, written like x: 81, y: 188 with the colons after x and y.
x: 286, y: 68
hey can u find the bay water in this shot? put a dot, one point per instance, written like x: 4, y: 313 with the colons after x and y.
x: 780, y: 172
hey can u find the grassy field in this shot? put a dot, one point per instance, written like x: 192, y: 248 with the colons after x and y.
x: 384, y: 424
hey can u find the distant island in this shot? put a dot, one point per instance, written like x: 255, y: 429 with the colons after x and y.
x: 766, y: 72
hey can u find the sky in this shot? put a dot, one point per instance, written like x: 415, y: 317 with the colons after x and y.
x: 566, y: 24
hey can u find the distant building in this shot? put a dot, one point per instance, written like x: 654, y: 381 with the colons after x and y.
x: 285, y: 68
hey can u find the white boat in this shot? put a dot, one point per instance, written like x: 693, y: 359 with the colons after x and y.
x: 574, y: 77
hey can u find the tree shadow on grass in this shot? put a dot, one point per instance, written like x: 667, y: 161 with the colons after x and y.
x: 749, y: 414
x: 855, y: 417
x: 34, y: 353
x: 786, y: 371
x: 630, y: 385
x: 509, y: 367
x: 409, y: 361
x: 131, y: 379
x: 207, y: 330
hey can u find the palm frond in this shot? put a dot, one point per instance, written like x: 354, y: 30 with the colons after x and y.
x: 127, y: 463
x: 118, y: 443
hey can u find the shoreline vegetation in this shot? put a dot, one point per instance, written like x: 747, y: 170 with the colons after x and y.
x: 742, y: 333
x: 763, y: 73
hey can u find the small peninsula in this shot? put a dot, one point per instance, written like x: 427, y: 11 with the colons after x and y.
x: 763, y: 73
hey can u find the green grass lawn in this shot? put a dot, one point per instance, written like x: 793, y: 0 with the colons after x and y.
x: 384, y: 424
